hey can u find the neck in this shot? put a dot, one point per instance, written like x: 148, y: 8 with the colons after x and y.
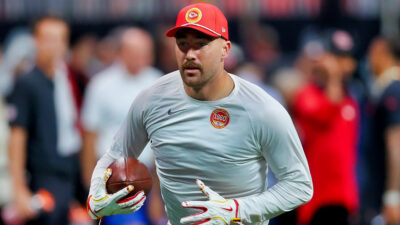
x: 387, y: 64
x: 219, y: 87
x: 47, y: 67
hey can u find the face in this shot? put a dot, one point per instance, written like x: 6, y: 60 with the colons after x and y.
x: 51, y: 38
x: 376, y: 54
x: 200, y: 57
x: 136, y: 50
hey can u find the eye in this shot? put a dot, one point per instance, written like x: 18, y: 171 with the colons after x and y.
x: 182, y: 44
x: 201, y: 44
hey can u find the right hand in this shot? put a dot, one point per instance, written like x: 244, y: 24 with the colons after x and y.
x: 22, y: 199
x: 101, y: 204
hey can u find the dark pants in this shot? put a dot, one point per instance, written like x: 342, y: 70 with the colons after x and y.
x: 62, y: 188
x: 1, y: 220
x: 331, y: 215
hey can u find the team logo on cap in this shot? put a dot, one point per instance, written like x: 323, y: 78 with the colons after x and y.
x: 193, y: 15
x: 219, y: 118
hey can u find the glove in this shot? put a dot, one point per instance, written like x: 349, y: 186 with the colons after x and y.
x: 101, y: 204
x: 215, y: 211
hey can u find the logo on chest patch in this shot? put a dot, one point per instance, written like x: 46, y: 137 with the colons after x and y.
x: 219, y: 118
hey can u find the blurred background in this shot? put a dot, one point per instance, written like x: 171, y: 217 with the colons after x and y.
x: 333, y: 64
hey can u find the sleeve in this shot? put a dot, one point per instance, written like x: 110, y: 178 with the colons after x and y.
x: 128, y: 142
x: 314, y: 107
x: 391, y: 102
x: 91, y: 111
x: 21, y: 105
x: 282, y: 150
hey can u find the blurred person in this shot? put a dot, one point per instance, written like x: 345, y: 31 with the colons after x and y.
x: 289, y: 80
x: 44, y: 137
x: 327, y: 119
x: 17, y: 60
x: 382, y: 191
x: 106, y: 52
x: 108, y: 99
x: 204, y: 123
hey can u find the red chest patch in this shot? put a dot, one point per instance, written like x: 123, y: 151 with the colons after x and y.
x: 219, y: 118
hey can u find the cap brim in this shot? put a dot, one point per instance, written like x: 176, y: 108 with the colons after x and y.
x: 171, y: 32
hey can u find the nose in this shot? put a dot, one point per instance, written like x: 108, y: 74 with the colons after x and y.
x: 191, y: 54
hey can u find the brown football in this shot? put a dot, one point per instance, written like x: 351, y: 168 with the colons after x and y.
x: 129, y: 171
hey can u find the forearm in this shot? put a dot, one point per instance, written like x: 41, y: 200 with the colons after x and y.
x: 335, y: 91
x: 393, y: 160
x: 88, y: 156
x: 282, y: 197
x: 17, y: 155
x: 99, y: 170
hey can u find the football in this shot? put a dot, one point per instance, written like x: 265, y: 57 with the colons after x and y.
x: 129, y: 171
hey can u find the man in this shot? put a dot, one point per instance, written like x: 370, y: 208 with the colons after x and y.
x: 44, y: 136
x: 109, y: 96
x: 204, y: 123
x: 382, y: 192
x: 111, y: 92
x: 327, y: 119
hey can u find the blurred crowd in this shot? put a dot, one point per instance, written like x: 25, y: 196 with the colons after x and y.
x: 61, y: 103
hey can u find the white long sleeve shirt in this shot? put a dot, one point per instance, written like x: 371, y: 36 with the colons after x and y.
x: 228, y: 144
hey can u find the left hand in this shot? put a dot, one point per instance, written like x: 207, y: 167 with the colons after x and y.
x: 217, y: 210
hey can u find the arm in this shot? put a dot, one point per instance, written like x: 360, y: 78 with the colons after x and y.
x: 20, y: 99
x: 88, y: 156
x: 17, y: 155
x: 282, y: 150
x: 391, y: 199
x: 393, y: 158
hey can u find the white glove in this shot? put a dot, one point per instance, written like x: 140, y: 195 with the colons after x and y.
x: 215, y: 211
x: 101, y: 204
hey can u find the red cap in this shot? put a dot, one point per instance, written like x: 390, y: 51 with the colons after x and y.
x: 203, y: 17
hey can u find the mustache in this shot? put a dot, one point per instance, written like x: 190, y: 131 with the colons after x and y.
x: 191, y: 65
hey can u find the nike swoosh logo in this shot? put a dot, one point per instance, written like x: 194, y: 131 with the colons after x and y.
x: 170, y: 112
x: 230, y: 209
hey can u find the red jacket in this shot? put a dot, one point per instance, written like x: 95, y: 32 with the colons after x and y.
x: 329, y: 134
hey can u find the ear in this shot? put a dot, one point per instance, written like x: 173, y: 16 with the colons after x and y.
x: 225, y: 49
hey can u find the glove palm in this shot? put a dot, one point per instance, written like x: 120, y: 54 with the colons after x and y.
x: 101, y: 204
x: 216, y: 211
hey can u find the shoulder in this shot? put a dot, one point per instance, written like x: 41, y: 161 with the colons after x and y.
x: 29, y: 81
x: 393, y: 89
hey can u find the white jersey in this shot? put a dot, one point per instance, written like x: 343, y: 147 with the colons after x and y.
x: 227, y: 144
